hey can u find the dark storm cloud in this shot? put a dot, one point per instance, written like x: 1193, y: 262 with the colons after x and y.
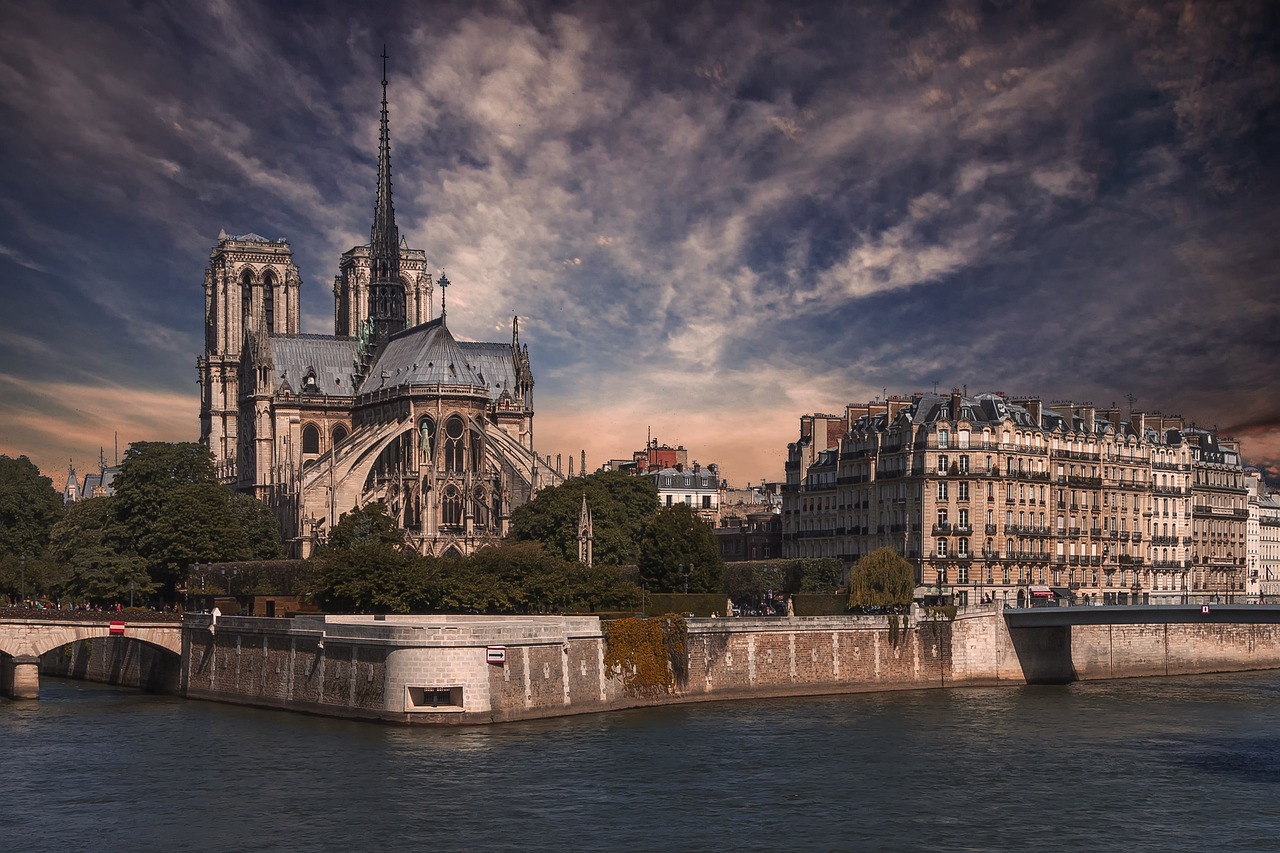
x: 707, y: 215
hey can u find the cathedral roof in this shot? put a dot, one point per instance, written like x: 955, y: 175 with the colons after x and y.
x: 428, y: 354
x: 329, y: 359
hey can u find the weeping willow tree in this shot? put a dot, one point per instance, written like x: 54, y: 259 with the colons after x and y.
x: 882, y: 578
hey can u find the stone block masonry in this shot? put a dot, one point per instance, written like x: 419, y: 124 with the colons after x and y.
x: 478, y: 669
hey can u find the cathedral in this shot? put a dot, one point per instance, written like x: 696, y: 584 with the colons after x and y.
x: 391, y: 408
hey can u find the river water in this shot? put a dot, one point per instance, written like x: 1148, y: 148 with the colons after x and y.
x: 1142, y: 764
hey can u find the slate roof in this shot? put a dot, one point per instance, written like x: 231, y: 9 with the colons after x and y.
x: 332, y: 359
x: 428, y: 354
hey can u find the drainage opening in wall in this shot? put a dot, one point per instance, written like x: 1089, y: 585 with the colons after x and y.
x: 437, y: 699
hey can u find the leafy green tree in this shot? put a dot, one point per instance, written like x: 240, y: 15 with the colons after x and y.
x: 196, y: 524
x: 173, y: 513
x: 882, y: 578
x: 260, y: 527
x: 151, y: 470
x: 821, y: 575
x: 29, y: 507
x: 677, y: 546
x: 363, y: 568
x: 621, y: 506
x: 366, y: 525
x: 522, y: 577
x: 101, y: 567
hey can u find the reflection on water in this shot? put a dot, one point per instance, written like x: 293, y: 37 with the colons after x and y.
x: 1152, y: 764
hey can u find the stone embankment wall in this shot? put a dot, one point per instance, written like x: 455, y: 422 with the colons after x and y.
x: 460, y: 669
x: 115, y: 660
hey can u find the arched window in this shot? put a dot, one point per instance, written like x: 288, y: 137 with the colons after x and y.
x: 451, y: 508
x: 453, y: 444
x: 268, y: 302
x: 477, y: 451
x: 339, y: 434
x: 481, y: 509
x: 311, y: 439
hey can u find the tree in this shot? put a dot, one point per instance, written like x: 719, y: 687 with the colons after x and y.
x: 260, y: 526
x: 678, y: 548
x: 172, y: 512
x: 882, y: 578
x: 29, y: 507
x: 363, y: 568
x: 366, y: 525
x: 621, y: 506
x: 101, y: 567
x: 196, y: 524
x: 153, y: 469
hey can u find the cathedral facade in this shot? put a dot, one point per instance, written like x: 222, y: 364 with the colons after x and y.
x: 390, y: 408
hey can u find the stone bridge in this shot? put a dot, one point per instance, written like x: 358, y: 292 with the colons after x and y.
x: 23, y: 641
x: 1062, y: 644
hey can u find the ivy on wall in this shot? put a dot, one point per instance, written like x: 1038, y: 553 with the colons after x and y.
x: 650, y: 656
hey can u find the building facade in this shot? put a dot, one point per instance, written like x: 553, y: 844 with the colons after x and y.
x: 390, y: 408
x: 1017, y: 500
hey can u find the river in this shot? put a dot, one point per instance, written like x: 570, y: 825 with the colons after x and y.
x: 1141, y: 764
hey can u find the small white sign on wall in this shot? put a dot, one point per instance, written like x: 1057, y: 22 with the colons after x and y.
x: 496, y: 655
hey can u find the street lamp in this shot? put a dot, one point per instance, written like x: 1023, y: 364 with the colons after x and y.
x: 22, y: 578
x: 684, y: 570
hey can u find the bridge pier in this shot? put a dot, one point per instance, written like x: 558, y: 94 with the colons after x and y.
x: 20, y: 678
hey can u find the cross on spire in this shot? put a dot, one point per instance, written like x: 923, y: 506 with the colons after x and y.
x: 443, y: 281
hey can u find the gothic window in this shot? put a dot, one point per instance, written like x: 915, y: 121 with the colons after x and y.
x: 481, y: 509
x: 339, y: 433
x: 453, y: 444
x: 451, y: 508
x: 311, y: 439
x: 477, y: 451
x: 269, y: 302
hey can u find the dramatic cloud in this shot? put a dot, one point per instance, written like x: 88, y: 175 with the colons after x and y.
x: 710, y: 218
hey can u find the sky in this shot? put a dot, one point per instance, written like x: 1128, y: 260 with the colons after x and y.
x: 711, y: 218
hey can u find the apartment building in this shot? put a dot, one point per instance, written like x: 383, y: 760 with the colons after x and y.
x: 1018, y: 500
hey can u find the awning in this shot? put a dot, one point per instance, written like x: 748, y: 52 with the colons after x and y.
x: 1041, y: 591
x: 1062, y: 592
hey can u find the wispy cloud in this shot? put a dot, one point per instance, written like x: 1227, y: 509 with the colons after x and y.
x: 708, y: 222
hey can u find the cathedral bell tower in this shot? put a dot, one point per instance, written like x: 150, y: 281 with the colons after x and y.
x: 386, y: 290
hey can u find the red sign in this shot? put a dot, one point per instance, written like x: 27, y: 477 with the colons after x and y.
x: 1204, y: 608
x: 117, y: 628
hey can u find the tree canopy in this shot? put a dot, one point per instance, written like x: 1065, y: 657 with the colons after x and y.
x: 29, y: 507
x: 364, y: 568
x: 621, y: 506
x: 678, y: 546
x: 101, y: 564
x: 882, y: 578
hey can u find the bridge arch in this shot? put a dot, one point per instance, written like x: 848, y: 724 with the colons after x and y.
x: 24, y: 641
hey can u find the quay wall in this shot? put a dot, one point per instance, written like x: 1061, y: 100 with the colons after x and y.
x: 475, y: 669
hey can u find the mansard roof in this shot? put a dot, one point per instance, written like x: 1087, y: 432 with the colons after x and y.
x: 428, y: 354
x: 331, y: 359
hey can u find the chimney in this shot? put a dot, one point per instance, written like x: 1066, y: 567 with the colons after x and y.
x: 1036, y: 408
x: 955, y: 404
x: 1088, y: 415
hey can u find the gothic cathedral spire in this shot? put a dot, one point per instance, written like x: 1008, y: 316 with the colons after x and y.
x: 386, y: 290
